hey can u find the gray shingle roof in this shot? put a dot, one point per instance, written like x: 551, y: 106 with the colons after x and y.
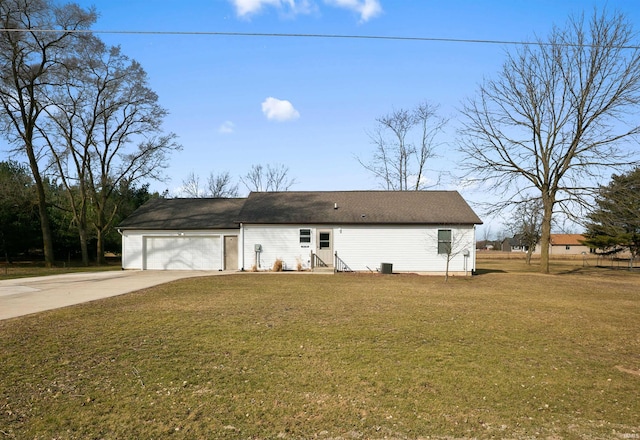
x: 358, y: 207
x: 305, y: 207
x: 158, y: 214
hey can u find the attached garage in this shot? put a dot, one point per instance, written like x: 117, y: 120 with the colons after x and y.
x: 182, y: 234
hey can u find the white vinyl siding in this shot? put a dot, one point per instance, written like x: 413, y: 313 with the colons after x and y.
x: 407, y: 248
x: 362, y: 248
x: 278, y: 242
x: 131, y: 250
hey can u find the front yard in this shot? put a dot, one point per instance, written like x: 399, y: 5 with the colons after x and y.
x: 506, y: 354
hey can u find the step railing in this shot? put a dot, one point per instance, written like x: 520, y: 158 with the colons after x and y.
x: 340, y: 265
x: 317, y: 261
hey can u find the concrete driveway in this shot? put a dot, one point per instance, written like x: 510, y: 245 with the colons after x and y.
x: 24, y: 296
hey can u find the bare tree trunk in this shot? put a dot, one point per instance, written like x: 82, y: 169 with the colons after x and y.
x: 545, y: 233
x: 529, y: 252
x: 100, y: 260
x: 45, y: 225
x: 84, y: 248
x: 446, y: 272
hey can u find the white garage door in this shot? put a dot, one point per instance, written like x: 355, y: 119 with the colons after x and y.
x: 182, y: 253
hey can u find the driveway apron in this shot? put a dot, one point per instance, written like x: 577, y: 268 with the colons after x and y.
x: 24, y: 296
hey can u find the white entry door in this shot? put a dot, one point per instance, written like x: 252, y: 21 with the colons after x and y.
x: 324, y: 246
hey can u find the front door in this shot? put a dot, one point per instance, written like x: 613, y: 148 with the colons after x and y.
x: 230, y: 252
x: 325, y: 246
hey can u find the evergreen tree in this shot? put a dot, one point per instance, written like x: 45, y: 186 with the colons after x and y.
x: 614, y: 225
x: 19, y: 231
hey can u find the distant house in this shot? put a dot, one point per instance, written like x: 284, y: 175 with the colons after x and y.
x: 485, y: 245
x: 566, y: 244
x: 345, y: 230
x: 514, y: 244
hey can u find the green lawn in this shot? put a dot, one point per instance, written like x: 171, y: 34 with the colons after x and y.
x: 506, y: 354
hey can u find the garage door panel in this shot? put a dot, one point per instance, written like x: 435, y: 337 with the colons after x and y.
x: 182, y: 253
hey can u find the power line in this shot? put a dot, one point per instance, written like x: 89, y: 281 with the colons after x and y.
x: 295, y: 35
x: 326, y: 36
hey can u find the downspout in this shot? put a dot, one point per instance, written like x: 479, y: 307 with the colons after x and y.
x: 473, y: 251
x: 241, y: 247
x: 122, y: 255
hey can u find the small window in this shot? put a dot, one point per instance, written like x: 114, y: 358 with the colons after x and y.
x: 325, y: 240
x: 567, y: 247
x: 444, y: 241
x: 305, y: 235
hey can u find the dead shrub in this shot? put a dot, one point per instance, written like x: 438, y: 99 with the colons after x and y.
x: 278, y: 265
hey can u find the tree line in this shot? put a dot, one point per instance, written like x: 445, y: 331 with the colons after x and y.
x: 20, y: 233
x: 270, y: 177
x: 81, y: 113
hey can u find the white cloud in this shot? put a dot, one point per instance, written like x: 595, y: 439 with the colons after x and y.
x: 279, y: 110
x: 367, y: 9
x: 227, y: 127
x: 245, y: 8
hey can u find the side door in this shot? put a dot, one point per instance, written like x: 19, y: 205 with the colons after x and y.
x: 230, y: 252
x: 324, y: 246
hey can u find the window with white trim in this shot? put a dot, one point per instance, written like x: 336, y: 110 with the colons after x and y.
x: 305, y: 235
x: 444, y: 241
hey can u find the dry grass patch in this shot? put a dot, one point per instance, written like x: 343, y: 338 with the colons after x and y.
x: 500, y: 355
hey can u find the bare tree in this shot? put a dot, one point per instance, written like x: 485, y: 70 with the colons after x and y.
x: 254, y: 178
x: 556, y: 119
x: 450, y: 244
x: 526, y: 224
x: 272, y: 178
x: 30, y: 64
x: 218, y: 185
x: 430, y: 125
x: 404, y: 142
x: 107, y: 124
x: 191, y: 186
x: 68, y: 131
x: 221, y: 185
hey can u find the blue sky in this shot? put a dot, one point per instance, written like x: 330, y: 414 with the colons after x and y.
x: 308, y: 103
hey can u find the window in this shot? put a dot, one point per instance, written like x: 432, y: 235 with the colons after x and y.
x: 567, y: 247
x: 325, y: 240
x: 444, y: 241
x: 305, y: 235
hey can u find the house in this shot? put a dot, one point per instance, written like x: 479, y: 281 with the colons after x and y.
x: 485, y: 245
x: 566, y: 244
x: 411, y: 231
x: 514, y: 244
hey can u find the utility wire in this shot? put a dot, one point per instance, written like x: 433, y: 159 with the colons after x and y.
x: 328, y: 36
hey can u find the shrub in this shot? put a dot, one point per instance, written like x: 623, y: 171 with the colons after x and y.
x: 278, y: 265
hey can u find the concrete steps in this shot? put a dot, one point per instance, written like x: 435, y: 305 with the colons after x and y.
x: 323, y: 269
